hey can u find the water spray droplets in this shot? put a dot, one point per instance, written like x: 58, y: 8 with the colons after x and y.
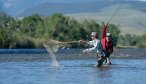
x: 51, y: 48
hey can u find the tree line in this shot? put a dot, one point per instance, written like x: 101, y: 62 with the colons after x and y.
x: 31, y: 31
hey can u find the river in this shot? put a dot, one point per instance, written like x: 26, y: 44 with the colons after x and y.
x: 33, y: 67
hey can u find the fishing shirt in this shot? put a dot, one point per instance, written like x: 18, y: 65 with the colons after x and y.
x: 96, y: 46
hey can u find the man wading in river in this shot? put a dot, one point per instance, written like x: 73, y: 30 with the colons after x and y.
x: 107, y: 44
x: 97, y: 47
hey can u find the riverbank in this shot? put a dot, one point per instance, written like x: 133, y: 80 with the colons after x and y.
x: 118, y: 52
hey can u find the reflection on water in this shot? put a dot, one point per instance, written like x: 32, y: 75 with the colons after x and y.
x: 75, y: 69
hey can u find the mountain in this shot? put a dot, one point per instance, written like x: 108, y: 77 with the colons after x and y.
x: 78, y: 7
x: 131, y: 16
x: 47, y: 7
x: 1, y: 6
x: 130, y: 20
x: 14, y: 7
x: 66, y: 8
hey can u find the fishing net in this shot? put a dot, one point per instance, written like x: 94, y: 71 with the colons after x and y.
x: 52, y: 47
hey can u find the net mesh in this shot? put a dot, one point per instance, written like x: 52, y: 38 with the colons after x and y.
x: 52, y: 47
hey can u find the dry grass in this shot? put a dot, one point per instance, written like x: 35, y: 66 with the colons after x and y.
x: 129, y: 20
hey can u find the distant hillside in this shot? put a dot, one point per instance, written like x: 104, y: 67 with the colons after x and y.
x: 80, y: 7
x: 1, y: 6
x: 14, y: 7
x: 131, y: 17
x: 130, y: 20
x: 66, y: 8
x: 45, y: 7
x: 138, y: 5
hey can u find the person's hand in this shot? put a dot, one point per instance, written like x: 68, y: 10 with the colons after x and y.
x: 82, y: 41
x: 59, y: 42
x: 86, y: 50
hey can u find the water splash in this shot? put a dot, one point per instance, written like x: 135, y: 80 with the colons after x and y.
x: 54, y: 61
x: 51, y: 49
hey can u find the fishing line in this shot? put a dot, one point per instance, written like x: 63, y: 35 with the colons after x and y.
x: 116, y: 11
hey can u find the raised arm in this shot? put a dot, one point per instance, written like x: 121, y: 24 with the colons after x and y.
x: 103, y: 30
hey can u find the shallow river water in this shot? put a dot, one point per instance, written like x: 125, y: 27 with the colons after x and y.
x: 74, y: 68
